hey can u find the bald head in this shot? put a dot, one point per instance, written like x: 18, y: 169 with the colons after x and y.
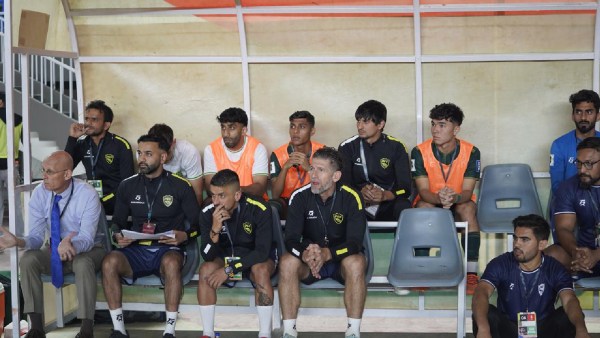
x: 57, y: 171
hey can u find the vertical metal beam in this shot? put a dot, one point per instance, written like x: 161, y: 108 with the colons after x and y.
x: 77, y: 65
x: 10, y: 123
x: 245, y: 67
x: 418, y: 70
x: 596, y: 67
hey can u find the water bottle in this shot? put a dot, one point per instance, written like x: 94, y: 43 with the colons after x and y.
x: 217, y: 335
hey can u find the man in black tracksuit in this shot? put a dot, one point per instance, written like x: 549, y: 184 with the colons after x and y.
x: 324, y: 234
x: 107, y: 157
x: 236, y: 238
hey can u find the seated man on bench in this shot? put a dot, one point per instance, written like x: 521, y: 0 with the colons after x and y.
x: 236, y: 239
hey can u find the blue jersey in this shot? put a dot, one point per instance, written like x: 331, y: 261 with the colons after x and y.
x: 584, y: 203
x: 563, y: 153
x: 542, y: 285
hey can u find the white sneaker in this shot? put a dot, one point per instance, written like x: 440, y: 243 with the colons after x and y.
x: 287, y: 335
x: 401, y: 291
x: 352, y: 336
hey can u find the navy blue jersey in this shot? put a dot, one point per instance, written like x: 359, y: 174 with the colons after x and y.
x: 504, y: 274
x: 585, y: 204
x: 563, y: 153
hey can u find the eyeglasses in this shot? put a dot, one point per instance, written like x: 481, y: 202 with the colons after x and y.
x: 588, y: 165
x: 50, y: 172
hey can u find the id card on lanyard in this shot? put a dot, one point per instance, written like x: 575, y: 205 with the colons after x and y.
x: 527, y: 325
x: 97, y: 184
x: 230, y: 260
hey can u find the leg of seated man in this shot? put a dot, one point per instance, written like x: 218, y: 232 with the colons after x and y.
x: 170, y: 270
x: 114, y: 266
x: 291, y: 271
x: 500, y: 325
x: 207, y: 296
x: 84, y: 266
x: 32, y: 265
x: 556, y: 325
x: 353, y: 270
x: 467, y: 212
x: 261, y: 274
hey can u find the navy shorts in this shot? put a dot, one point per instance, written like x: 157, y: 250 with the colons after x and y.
x: 328, y: 270
x: 145, y: 260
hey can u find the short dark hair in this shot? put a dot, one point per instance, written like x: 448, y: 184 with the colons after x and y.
x: 102, y: 107
x: 225, y: 177
x: 162, y: 143
x: 162, y: 130
x: 447, y: 111
x: 232, y: 115
x: 331, y: 154
x: 585, y: 95
x: 537, y: 224
x: 590, y: 143
x: 3, y: 96
x: 303, y: 114
x: 372, y: 110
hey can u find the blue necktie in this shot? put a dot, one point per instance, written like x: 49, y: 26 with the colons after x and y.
x: 55, y: 262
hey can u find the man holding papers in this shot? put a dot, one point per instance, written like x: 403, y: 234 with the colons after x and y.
x: 158, y: 201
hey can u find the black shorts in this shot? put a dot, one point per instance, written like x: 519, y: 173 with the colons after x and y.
x: 329, y: 270
x: 145, y: 260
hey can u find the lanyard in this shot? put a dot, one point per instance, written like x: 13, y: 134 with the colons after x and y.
x: 226, y: 227
x: 94, y: 159
x: 325, y: 224
x: 68, y: 200
x: 301, y: 177
x: 524, y: 294
x: 150, y: 205
x: 445, y: 175
x: 363, y: 161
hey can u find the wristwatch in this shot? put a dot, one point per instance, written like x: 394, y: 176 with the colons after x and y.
x: 229, y: 271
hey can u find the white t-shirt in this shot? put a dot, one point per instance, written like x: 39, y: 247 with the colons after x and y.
x: 186, y: 161
x: 261, y: 161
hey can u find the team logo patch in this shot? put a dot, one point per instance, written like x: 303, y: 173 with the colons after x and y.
x: 167, y: 200
x: 384, y: 162
x: 541, y: 288
x: 138, y: 197
x: 338, y: 218
x: 247, y: 228
x: 109, y: 158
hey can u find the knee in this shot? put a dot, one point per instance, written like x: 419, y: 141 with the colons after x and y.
x: 260, y: 271
x: 83, y: 264
x: 111, y: 261
x: 289, y: 265
x: 206, y: 269
x: 171, y: 262
x: 354, y: 266
x: 29, y: 260
x: 466, y: 210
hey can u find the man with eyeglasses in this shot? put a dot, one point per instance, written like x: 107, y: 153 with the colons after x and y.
x: 577, y: 214
x: 236, y: 233
x: 107, y: 157
x: 67, y: 209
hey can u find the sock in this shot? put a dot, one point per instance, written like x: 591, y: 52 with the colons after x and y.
x: 171, y: 321
x: 289, y: 327
x: 36, y: 321
x: 353, y: 326
x: 265, y: 318
x: 472, y: 267
x: 207, y: 312
x: 87, y: 326
x: 474, y: 239
x: 117, y: 319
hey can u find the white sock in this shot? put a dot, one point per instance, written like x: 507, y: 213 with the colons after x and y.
x: 353, y: 326
x: 117, y: 319
x: 289, y: 327
x: 265, y: 319
x: 171, y: 321
x: 472, y: 267
x: 207, y: 312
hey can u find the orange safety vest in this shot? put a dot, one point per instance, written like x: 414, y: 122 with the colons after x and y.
x: 434, y: 173
x: 296, y: 176
x: 243, y: 167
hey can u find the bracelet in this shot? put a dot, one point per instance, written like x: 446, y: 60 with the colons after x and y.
x: 213, y: 233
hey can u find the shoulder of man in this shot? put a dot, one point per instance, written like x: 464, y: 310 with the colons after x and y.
x: 396, y: 141
x: 177, y: 179
x: 121, y: 141
x: 348, y: 141
x: 299, y: 194
x: 353, y: 194
x: 255, y: 202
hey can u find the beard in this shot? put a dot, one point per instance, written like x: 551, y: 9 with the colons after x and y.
x: 587, y: 184
x: 584, y: 127
x: 147, y: 169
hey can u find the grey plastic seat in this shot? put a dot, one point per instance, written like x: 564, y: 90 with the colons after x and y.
x: 279, y: 244
x: 333, y: 284
x: 69, y: 278
x: 426, y: 228
x: 506, y: 191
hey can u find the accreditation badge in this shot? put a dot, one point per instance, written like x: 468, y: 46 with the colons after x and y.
x: 231, y: 261
x: 527, y: 325
x: 97, y: 184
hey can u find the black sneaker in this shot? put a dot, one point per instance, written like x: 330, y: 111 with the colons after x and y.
x: 35, y: 333
x: 118, y: 334
x: 83, y: 335
x: 168, y: 335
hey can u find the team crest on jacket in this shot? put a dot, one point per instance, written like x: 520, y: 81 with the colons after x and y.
x: 384, y: 162
x: 109, y: 158
x: 167, y: 200
x: 338, y: 218
x: 247, y: 227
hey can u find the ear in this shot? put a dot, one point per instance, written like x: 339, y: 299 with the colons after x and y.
x: 597, y: 116
x: 238, y: 195
x: 337, y: 175
x: 163, y: 157
x: 381, y: 125
x: 542, y: 244
x: 244, y: 130
x: 107, y: 125
x: 312, y: 131
x: 68, y: 174
x: 456, y: 130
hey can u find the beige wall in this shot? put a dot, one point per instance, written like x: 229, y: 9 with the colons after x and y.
x: 58, y: 34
